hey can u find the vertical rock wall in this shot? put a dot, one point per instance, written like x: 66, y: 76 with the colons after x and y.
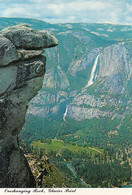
x: 22, y: 68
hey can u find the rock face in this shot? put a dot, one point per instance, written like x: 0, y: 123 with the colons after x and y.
x: 21, y: 76
x: 108, y: 93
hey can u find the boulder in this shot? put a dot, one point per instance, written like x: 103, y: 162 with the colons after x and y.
x: 24, y: 37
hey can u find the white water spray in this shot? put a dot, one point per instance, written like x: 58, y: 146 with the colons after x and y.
x: 64, y: 115
x: 90, y: 82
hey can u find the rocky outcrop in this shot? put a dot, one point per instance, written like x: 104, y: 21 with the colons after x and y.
x: 24, y: 37
x: 22, y: 68
x: 46, y: 174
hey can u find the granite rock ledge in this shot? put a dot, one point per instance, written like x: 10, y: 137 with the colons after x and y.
x: 22, y: 68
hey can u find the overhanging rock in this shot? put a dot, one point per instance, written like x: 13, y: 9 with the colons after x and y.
x: 22, y: 68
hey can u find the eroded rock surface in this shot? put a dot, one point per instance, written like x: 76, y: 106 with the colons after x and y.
x: 21, y: 76
x: 24, y: 37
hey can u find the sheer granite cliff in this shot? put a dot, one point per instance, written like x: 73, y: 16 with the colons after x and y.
x: 22, y: 68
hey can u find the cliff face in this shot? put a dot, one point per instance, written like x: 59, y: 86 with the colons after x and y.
x: 22, y: 68
x: 70, y: 67
x: 108, y: 91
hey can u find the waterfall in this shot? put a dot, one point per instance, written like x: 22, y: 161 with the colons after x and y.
x: 90, y: 82
x: 64, y: 115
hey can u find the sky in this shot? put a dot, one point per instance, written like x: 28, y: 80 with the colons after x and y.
x: 69, y: 11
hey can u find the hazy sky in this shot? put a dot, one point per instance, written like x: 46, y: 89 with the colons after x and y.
x: 56, y: 11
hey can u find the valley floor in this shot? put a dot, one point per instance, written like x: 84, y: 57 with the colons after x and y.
x: 90, y: 166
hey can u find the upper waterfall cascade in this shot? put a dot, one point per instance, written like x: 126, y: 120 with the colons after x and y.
x: 64, y: 115
x: 90, y: 82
